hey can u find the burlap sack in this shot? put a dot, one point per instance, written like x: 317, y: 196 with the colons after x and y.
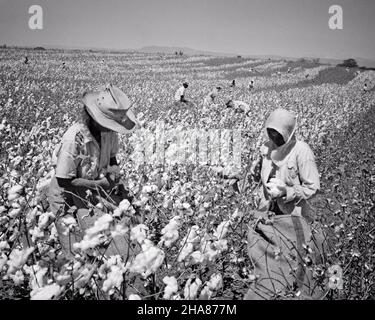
x: 282, y: 254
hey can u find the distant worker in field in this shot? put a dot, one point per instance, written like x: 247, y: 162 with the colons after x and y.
x: 26, y: 61
x: 251, y: 85
x: 238, y: 106
x: 86, y: 172
x: 233, y: 84
x: 365, y: 87
x: 210, y: 98
x: 180, y: 93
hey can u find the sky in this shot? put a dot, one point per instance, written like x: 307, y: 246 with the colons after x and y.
x: 290, y: 28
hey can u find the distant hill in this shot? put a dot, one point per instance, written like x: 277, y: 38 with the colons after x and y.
x: 189, y: 52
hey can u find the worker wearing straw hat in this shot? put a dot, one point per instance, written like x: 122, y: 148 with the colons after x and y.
x: 86, y: 170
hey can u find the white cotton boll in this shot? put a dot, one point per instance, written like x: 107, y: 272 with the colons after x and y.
x: 215, y: 282
x: 101, y: 224
x: 31, y: 215
x: 36, y: 233
x: 170, y: 231
x: 222, y: 230
x: 69, y: 221
x: 188, y: 243
x: 134, y: 297
x: 18, y: 278
x: 139, y: 233
x: 123, y: 207
x: 193, y: 236
x: 14, y: 213
x: 18, y: 258
x: 44, y: 218
x: 63, y: 279
x: 197, y: 257
x: 119, y: 230
x: 37, y: 276
x: 186, y: 205
x: 46, y: 293
x: 54, y: 234
x: 17, y: 189
x: 149, y: 260
x: 150, y: 188
x: 171, y: 288
x: 4, y: 245
x: 90, y: 242
x: 191, y: 288
x: 221, y: 245
x: 114, y: 278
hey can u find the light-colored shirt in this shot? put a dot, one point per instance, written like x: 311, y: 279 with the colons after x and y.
x: 79, y: 155
x: 180, y: 92
x: 300, y: 174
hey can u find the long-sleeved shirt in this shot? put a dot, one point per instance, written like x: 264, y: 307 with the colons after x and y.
x: 180, y: 92
x: 300, y: 174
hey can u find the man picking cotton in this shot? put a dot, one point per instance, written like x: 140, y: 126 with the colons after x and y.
x: 180, y: 93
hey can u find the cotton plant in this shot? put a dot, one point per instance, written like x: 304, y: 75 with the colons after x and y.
x: 17, y: 259
x: 47, y: 292
x: 94, y: 236
x: 124, y: 207
x: 114, y: 276
x: 191, y: 288
x: 188, y: 243
x: 215, y: 283
x: 170, y: 233
x: 148, y: 260
x: 171, y: 287
x: 139, y: 233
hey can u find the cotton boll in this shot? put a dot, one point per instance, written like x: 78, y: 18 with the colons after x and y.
x: 197, y: 257
x: 215, y: 282
x: 17, y: 189
x: 171, y: 288
x: 14, y: 213
x: 18, y: 258
x: 134, y: 297
x: 150, y: 189
x: 139, y: 233
x: 149, y: 260
x: 191, y: 288
x: 46, y: 293
x: 114, y: 278
x: 170, y: 231
x: 4, y: 245
x: 18, y: 278
x: 100, y: 225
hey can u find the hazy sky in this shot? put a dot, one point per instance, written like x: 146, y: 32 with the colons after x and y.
x: 278, y: 27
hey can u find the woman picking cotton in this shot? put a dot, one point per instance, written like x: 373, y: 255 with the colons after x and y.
x: 84, y: 163
x: 282, y: 244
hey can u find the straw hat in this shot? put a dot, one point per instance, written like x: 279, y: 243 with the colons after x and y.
x: 110, y: 108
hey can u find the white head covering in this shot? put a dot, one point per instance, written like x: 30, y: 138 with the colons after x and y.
x: 284, y: 122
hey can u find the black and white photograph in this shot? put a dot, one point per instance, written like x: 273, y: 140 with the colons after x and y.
x: 212, y: 151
